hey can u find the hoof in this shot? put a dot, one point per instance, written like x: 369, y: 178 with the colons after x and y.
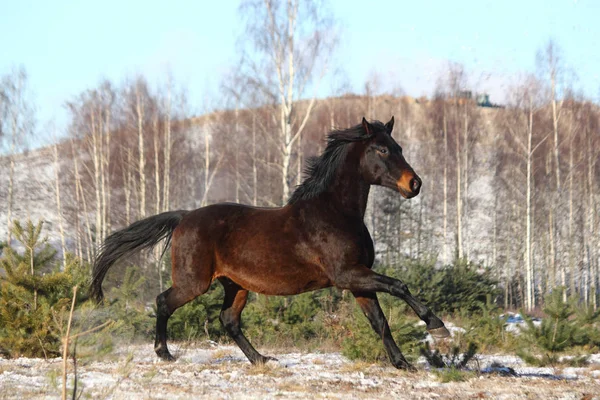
x: 439, y: 333
x: 405, y: 366
x: 165, y: 356
x: 401, y: 363
x: 264, y: 360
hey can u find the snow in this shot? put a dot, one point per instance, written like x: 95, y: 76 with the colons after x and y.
x: 223, y: 372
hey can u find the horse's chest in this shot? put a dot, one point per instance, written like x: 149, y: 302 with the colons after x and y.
x: 335, y: 249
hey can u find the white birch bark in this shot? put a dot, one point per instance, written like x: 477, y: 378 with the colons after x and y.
x: 167, y: 151
x: 59, y: 207
x: 139, y: 107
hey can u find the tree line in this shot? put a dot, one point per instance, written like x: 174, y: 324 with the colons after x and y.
x: 514, y: 189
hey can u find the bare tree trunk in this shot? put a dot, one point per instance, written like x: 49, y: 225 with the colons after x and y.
x: 58, y: 207
x: 555, y: 125
x: 156, y: 165
x: 79, y: 250
x: 551, y: 284
x: 254, y: 171
x: 128, y: 186
x: 90, y: 241
x: 139, y: 106
x: 81, y: 198
x: 106, y: 189
x: 15, y: 93
x: 466, y: 181
x: 591, y: 223
x: 237, y: 154
x: 445, y: 212
x: 206, y: 165
x: 102, y: 206
x: 96, y: 144
x: 528, y: 264
x: 208, y: 174
x: 11, y: 178
x: 459, y: 212
x: 157, y: 250
x: 420, y: 224
x: 210, y: 180
x: 35, y: 289
x: 11, y: 173
x: 553, y: 64
x: 299, y: 162
x: 285, y: 163
x: 571, y: 221
x: 167, y: 152
x: 495, y: 236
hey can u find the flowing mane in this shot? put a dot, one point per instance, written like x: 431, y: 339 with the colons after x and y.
x: 320, y: 170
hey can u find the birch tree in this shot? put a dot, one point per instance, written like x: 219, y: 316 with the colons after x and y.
x: 291, y: 45
x: 107, y: 95
x: 209, y: 177
x: 519, y: 122
x: 167, y: 145
x: 437, y: 118
x: 59, y: 203
x: 17, y: 125
x: 549, y: 61
x: 454, y: 127
x: 139, y: 113
x: 592, y: 236
x: 90, y: 114
x: 549, y: 64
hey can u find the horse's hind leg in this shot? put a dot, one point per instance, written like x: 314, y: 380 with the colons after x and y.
x: 166, y: 304
x: 235, y: 301
x: 370, y: 305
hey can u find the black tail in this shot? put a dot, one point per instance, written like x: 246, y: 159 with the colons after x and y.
x: 137, y: 236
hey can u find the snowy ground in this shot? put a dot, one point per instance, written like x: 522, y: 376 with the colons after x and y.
x: 222, y: 372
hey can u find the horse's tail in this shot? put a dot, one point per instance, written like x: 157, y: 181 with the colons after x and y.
x: 137, y: 236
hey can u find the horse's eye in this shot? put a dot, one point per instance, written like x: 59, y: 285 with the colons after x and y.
x: 382, y: 150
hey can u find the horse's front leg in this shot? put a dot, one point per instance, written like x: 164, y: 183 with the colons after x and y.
x: 362, y: 279
x: 370, y: 305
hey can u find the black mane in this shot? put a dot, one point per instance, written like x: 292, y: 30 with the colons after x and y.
x: 320, y: 170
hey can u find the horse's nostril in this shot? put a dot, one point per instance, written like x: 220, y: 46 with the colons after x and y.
x: 415, y: 184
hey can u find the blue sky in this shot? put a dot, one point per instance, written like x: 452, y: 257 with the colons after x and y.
x: 68, y: 46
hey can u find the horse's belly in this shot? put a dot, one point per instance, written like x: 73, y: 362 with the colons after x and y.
x: 282, y: 280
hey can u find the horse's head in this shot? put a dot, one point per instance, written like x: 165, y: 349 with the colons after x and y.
x: 383, y: 164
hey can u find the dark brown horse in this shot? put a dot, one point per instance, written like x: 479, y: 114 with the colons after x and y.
x: 317, y: 240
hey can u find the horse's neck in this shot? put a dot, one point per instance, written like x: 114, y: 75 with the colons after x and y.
x: 350, y: 193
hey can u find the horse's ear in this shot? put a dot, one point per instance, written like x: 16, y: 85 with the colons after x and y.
x: 390, y: 126
x: 367, y: 127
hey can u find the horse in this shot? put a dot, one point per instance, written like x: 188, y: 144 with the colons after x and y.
x: 317, y: 240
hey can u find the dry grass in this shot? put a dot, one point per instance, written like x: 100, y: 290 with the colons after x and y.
x: 267, y: 369
x: 291, y: 387
x: 356, y: 366
x: 221, y: 353
x: 150, y: 374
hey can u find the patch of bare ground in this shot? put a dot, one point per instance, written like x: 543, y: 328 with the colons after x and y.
x: 223, y: 372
